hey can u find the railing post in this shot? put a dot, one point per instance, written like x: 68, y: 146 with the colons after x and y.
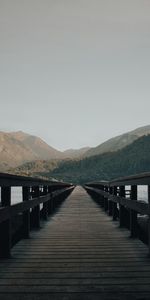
x: 110, y: 203
x: 149, y: 220
x: 50, y: 208
x: 133, y: 213
x: 36, y: 210
x: 45, y: 204
x: 114, y: 209
x: 5, y: 226
x: 106, y: 199
x: 122, y: 210
x: 102, y: 197
x: 26, y: 214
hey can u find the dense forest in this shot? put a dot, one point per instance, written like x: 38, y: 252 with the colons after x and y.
x: 134, y: 158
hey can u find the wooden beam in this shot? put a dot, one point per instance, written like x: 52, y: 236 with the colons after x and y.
x: 36, y: 210
x: 114, y: 208
x: 45, y: 204
x: 5, y: 226
x: 122, y: 210
x: 133, y: 213
x: 26, y: 213
x: 149, y: 219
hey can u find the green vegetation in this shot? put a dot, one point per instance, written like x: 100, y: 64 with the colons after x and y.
x: 37, y: 168
x: 135, y: 158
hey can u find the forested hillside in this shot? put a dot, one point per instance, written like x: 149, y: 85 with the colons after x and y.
x: 134, y: 158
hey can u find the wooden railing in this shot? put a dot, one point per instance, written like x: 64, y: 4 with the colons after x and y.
x: 119, y: 199
x: 35, y: 193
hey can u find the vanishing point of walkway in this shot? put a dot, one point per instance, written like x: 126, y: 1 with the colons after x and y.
x: 79, y: 254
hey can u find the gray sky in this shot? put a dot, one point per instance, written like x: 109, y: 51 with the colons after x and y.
x: 75, y: 72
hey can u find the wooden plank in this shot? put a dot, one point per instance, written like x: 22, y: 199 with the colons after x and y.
x: 79, y: 254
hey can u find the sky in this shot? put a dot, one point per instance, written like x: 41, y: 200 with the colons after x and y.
x: 74, y: 72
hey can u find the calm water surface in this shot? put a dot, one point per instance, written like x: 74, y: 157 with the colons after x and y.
x: 16, y: 194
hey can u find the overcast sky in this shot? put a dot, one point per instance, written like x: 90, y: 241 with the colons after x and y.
x: 74, y: 72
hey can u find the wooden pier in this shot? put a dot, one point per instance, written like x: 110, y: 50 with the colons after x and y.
x: 79, y: 253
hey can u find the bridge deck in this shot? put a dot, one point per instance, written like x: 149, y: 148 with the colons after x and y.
x: 79, y: 254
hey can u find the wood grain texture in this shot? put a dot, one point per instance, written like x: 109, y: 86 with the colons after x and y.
x: 78, y: 254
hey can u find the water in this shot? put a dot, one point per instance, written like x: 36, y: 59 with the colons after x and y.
x: 16, y: 194
x: 143, y: 193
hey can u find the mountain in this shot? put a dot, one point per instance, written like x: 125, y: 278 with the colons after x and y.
x: 74, y: 153
x: 37, y: 168
x: 132, y: 159
x: 118, y: 142
x: 41, y: 149
x: 17, y: 148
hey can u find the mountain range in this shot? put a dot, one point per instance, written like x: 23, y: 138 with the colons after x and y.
x: 130, y: 160
x: 119, y: 142
x: 76, y: 153
x: 26, y: 154
x: 17, y: 148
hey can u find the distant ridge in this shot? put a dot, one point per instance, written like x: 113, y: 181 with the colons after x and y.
x: 119, y: 142
x: 40, y: 148
x: 17, y: 148
x: 130, y: 160
x: 74, y: 153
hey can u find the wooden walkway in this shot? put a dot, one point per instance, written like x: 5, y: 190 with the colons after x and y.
x: 79, y: 254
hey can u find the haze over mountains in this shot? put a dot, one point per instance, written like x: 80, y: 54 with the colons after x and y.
x: 17, y: 148
x: 119, y: 142
x: 76, y: 153
x: 130, y: 160
x: 26, y: 154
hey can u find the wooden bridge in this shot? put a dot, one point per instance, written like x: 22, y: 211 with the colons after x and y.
x: 89, y: 248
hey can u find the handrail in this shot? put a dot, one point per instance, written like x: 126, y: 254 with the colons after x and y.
x: 137, y: 179
x: 139, y: 206
x: 16, y: 180
x: 36, y: 192
x: 11, y: 211
x: 122, y: 204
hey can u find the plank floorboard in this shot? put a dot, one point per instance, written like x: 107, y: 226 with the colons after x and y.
x: 78, y: 254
